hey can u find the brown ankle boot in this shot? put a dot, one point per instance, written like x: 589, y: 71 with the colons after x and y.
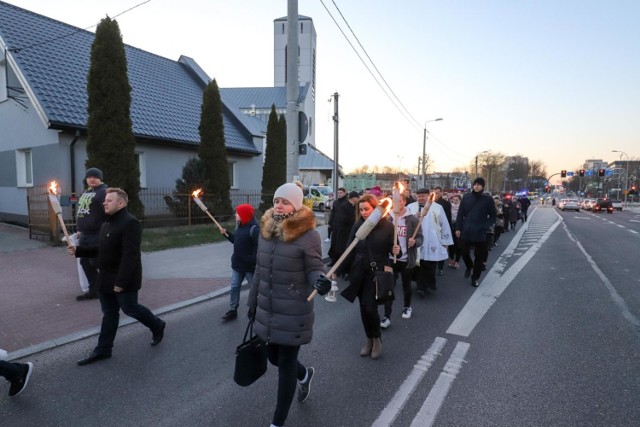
x: 376, y: 350
x: 366, y: 350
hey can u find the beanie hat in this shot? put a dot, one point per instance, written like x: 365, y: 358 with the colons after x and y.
x: 292, y: 193
x: 354, y: 194
x: 245, y: 212
x: 93, y: 172
x: 422, y: 191
x: 376, y: 191
x: 479, y: 180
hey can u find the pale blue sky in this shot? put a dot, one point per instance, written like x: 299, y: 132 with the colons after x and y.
x: 557, y: 81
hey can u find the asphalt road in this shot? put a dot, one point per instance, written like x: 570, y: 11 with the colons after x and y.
x: 551, y: 337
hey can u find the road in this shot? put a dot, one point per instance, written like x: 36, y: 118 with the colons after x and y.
x: 551, y: 337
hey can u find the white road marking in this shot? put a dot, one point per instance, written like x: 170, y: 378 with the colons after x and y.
x: 429, y: 410
x: 633, y: 220
x: 633, y: 231
x: 397, y: 402
x: 615, y: 296
x: 495, y: 283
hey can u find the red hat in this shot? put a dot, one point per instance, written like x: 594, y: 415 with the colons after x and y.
x: 245, y: 212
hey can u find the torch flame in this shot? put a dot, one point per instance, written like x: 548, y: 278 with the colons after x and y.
x: 197, y: 193
x: 386, y: 204
x: 400, y: 187
x: 53, y: 187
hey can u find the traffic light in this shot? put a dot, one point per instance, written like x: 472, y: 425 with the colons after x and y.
x: 601, y: 172
x: 563, y: 173
x: 581, y: 173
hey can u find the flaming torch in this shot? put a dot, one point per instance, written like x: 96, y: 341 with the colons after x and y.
x: 398, y: 188
x: 57, y: 209
x: 196, y: 198
x: 365, y: 229
x: 423, y: 213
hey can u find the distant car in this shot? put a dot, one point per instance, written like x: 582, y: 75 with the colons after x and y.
x: 571, y: 205
x: 617, y: 205
x: 560, y: 203
x: 603, y: 205
x: 587, y: 204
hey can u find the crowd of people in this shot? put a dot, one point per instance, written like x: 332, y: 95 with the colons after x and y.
x: 280, y: 255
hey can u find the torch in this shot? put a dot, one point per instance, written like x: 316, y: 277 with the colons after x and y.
x: 57, y: 209
x: 397, y: 191
x: 196, y: 199
x: 423, y: 213
x: 365, y: 229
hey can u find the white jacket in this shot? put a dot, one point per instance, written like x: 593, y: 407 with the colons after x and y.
x: 436, y: 233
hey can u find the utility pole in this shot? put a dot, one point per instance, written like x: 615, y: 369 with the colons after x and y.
x: 336, y: 120
x: 293, y: 87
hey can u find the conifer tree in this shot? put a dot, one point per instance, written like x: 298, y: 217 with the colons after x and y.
x: 213, y: 153
x: 274, y: 168
x: 110, y: 141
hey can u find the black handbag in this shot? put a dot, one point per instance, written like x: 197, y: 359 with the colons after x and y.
x: 384, y: 281
x: 251, y: 358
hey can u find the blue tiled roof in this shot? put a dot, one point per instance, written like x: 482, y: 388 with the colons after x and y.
x: 315, y: 160
x: 260, y: 97
x: 54, y: 58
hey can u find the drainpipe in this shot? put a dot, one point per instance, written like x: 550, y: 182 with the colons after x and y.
x: 72, y: 160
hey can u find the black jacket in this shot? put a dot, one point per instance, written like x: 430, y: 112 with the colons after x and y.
x: 476, y: 216
x: 119, y: 257
x: 380, y: 244
x: 245, y: 246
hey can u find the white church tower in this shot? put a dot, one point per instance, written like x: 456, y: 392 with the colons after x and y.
x: 306, y: 64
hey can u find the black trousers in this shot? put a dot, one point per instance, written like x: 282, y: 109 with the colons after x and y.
x: 368, y: 307
x: 427, y: 275
x: 290, y: 371
x: 11, y: 371
x: 480, y: 255
x: 400, y: 269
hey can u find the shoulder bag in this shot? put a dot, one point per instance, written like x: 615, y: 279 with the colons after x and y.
x: 251, y: 358
x: 382, y: 280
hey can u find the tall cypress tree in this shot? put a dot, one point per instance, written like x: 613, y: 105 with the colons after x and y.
x: 213, y: 152
x: 110, y: 142
x: 274, y: 168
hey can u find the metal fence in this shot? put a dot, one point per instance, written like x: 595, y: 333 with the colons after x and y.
x: 162, y: 208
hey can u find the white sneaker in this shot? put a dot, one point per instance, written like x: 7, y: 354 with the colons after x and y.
x: 406, y: 313
x: 327, y: 240
x: 385, y: 323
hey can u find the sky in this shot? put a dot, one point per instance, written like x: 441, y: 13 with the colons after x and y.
x: 556, y: 81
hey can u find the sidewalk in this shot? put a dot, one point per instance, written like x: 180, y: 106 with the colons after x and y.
x: 39, y: 283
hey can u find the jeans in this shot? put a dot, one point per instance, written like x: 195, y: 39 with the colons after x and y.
x: 236, y: 282
x: 111, y: 303
x: 290, y: 371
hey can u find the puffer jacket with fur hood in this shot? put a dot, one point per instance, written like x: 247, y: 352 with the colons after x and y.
x: 288, y: 262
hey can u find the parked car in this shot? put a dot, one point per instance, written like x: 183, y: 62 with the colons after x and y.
x: 320, y: 195
x: 602, y: 205
x: 617, y: 205
x: 570, y: 205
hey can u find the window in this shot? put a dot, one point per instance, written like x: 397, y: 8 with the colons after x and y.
x: 24, y: 168
x: 3, y: 75
x: 232, y: 174
x: 142, y: 167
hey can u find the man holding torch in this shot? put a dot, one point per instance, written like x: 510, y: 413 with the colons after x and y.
x: 119, y: 274
x: 89, y: 219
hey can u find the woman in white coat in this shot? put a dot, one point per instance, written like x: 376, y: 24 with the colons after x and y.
x: 437, y: 237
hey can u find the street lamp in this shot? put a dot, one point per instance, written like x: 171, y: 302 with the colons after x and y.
x: 626, y: 181
x: 424, y: 151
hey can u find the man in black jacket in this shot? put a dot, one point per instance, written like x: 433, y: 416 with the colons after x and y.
x: 476, y: 215
x: 89, y: 219
x: 119, y: 274
x: 343, y: 215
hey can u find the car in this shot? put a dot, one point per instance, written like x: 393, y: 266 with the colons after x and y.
x: 320, y: 195
x: 617, y: 205
x: 570, y: 205
x: 587, y: 204
x: 560, y: 203
x: 603, y: 205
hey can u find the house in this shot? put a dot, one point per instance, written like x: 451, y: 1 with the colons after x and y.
x: 43, y: 112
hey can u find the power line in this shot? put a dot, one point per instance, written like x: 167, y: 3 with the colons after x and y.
x: 18, y: 49
x: 366, y: 66
x: 373, y: 63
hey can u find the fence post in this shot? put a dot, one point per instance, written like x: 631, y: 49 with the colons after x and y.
x: 189, y: 199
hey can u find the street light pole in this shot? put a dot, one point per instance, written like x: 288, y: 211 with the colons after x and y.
x: 424, y: 151
x: 626, y: 181
x: 482, y: 152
